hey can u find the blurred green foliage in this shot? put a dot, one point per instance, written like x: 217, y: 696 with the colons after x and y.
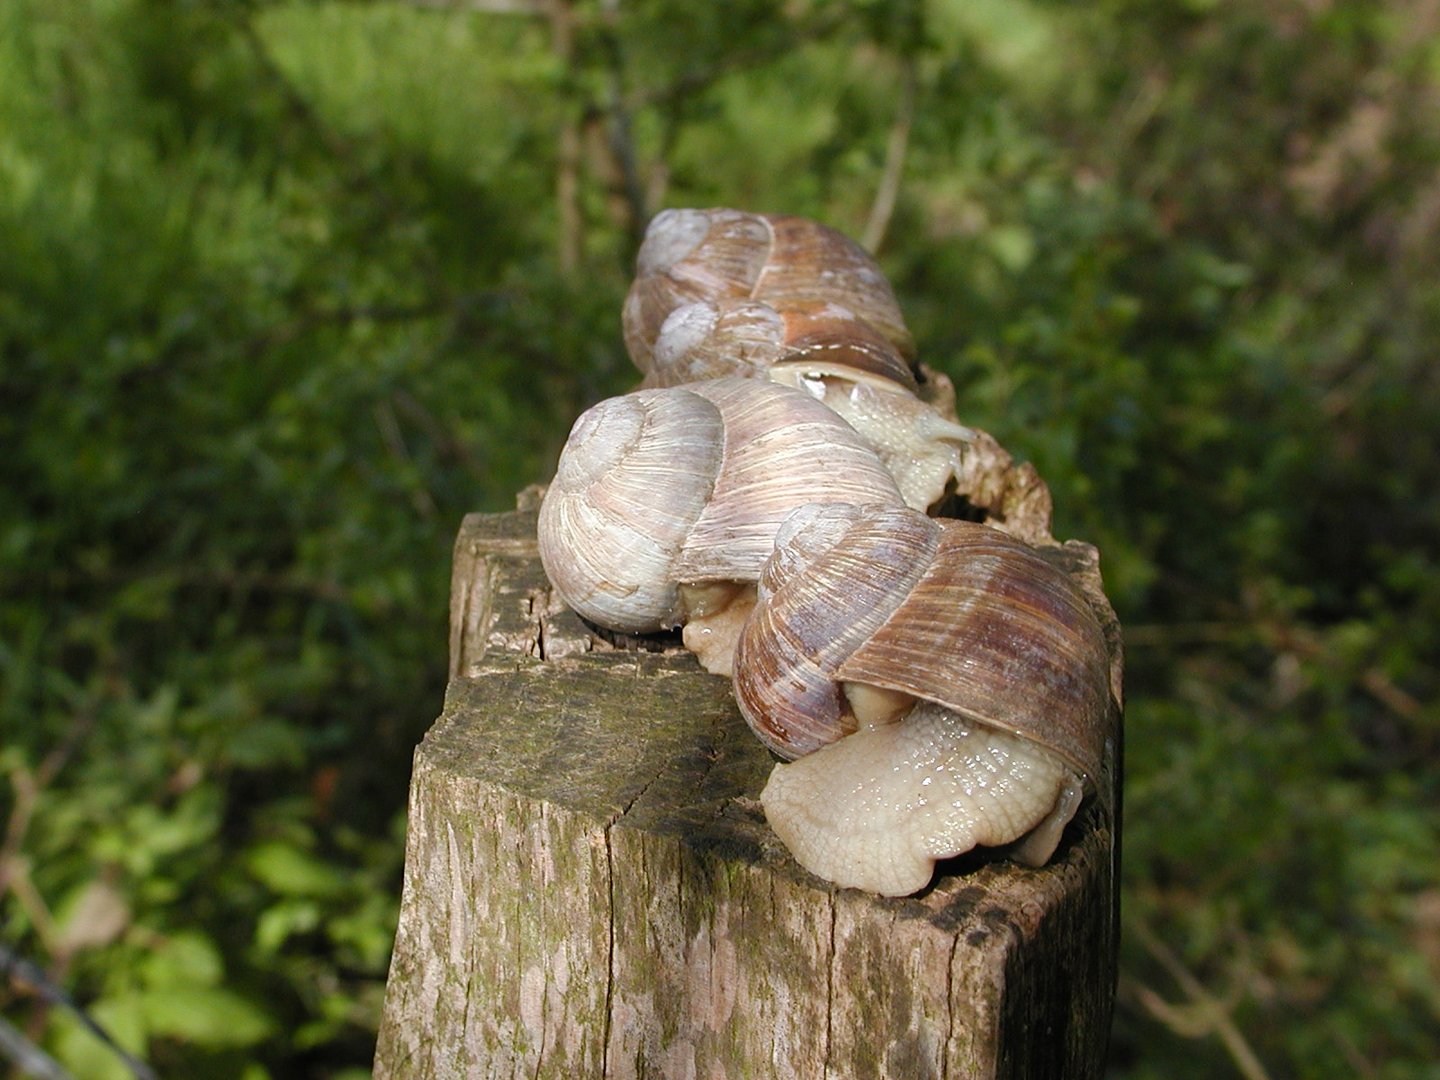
x: 286, y: 288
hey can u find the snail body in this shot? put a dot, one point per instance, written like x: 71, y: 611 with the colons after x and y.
x: 940, y: 683
x: 877, y: 809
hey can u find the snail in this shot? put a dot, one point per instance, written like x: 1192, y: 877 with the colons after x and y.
x: 932, y: 685
x: 721, y: 292
x: 721, y: 254
x: 940, y: 683
x: 666, y: 502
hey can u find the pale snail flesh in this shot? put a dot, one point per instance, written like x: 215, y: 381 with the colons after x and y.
x: 666, y: 502
x: 720, y: 292
x: 955, y: 682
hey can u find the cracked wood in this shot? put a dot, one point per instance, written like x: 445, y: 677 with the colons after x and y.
x: 591, y: 890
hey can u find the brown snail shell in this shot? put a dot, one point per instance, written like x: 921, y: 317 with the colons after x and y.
x: 836, y: 357
x: 939, y: 684
x: 720, y: 293
x: 810, y: 261
x: 945, y: 611
x: 945, y: 684
x: 801, y: 631
x: 690, y: 255
x: 722, y: 255
x: 686, y: 485
x: 710, y: 338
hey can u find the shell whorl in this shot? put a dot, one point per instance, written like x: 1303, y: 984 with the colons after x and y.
x: 721, y: 293
x: 607, y: 543
x: 686, y: 485
x: 836, y: 576
x: 813, y: 263
x: 783, y: 449
x: 690, y: 255
x: 996, y: 633
x: 726, y: 255
x: 707, y: 339
x: 977, y: 622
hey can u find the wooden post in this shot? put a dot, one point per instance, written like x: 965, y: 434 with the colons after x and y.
x: 591, y: 889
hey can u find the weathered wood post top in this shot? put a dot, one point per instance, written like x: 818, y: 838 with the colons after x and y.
x: 591, y: 889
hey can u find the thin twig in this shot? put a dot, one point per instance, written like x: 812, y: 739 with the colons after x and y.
x: 1353, y: 1057
x: 1207, y: 1013
x: 27, y: 1057
x: 24, y: 792
x: 23, y: 971
x: 394, y: 439
x: 20, y: 885
x: 439, y: 432
x: 620, y: 141
x: 571, y: 242
x: 1279, y: 636
x: 896, y: 146
x: 1161, y: 635
x: 27, y: 786
x: 1283, y: 637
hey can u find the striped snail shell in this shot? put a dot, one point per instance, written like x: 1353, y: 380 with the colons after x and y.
x: 785, y: 262
x: 719, y: 292
x: 663, y: 493
x: 706, y: 339
x: 940, y: 683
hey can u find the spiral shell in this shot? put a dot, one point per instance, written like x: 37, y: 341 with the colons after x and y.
x: 723, y: 255
x: 938, y: 683
x: 720, y: 293
x: 948, y: 612
x: 831, y: 584
x: 607, y: 543
x: 711, y: 338
x: 685, y: 485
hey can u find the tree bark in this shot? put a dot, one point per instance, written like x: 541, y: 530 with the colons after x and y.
x: 591, y: 889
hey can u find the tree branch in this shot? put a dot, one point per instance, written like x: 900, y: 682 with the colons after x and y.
x: 896, y: 146
x: 23, y: 971
x: 27, y: 1057
x: 621, y: 142
x: 1205, y: 1014
x: 568, y: 145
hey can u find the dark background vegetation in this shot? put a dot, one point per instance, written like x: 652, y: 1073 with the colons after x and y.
x: 288, y: 287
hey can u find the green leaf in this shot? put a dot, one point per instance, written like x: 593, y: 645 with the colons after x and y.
x: 268, y: 742
x: 288, y: 870
x: 279, y: 922
x: 184, y: 959
x: 211, y: 1017
x: 85, y: 1055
